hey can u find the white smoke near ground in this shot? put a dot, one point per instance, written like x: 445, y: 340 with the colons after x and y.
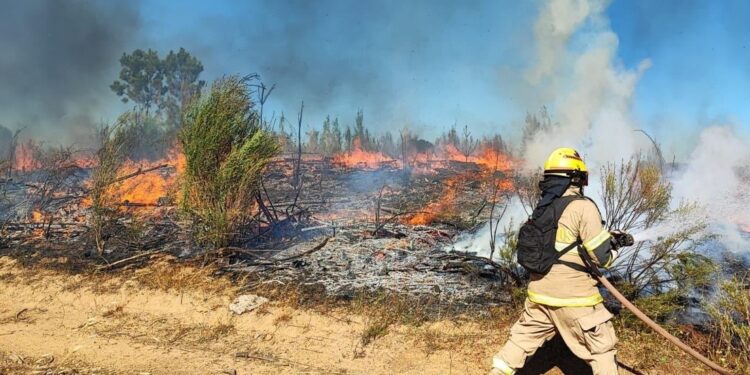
x: 478, y: 242
x: 716, y: 178
x: 590, y: 94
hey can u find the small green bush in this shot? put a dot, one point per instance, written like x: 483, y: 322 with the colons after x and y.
x: 225, y: 153
x: 730, y: 312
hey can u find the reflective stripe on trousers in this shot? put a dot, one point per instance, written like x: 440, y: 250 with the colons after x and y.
x: 565, y: 302
x: 499, y: 364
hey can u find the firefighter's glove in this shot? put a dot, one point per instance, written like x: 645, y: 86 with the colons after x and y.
x: 621, y: 239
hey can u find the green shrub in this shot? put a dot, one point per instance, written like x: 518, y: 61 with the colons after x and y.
x: 225, y: 153
x: 730, y: 312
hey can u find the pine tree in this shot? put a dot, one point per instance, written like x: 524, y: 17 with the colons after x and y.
x: 336, y: 136
x: 359, y: 130
x: 348, y: 139
x: 326, y: 137
x: 313, y: 141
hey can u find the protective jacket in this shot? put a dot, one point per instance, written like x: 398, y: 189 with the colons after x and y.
x: 566, y: 284
x: 566, y: 300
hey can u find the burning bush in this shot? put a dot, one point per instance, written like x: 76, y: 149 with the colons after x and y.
x: 225, y: 153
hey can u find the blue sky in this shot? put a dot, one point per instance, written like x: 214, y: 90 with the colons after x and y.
x: 700, y: 52
x: 427, y: 64
x: 423, y: 64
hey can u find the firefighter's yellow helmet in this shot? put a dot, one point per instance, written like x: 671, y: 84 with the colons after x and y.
x: 566, y: 161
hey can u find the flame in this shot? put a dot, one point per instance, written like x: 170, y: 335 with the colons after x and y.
x: 148, y: 188
x: 487, y: 157
x: 85, y: 160
x: 359, y: 158
x: 505, y: 185
x: 446, y: 202
x: 37, y: 217
x: 24, y: 157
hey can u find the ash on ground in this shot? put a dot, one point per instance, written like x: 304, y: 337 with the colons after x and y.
x: 410, y: 262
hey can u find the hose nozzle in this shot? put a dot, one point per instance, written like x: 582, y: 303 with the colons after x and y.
x: 621, y: 239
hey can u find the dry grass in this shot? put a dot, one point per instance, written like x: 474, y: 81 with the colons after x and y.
x: 433, y: 330
x: 11, y: 363
x: 647, y: 351
x: 374, y: 329
x: 284, y: 317
x: 158, y: 331
x: 167, y: 275
x: 453, y: 337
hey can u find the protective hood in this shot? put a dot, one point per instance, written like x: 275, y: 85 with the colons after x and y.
x: 552, y: 187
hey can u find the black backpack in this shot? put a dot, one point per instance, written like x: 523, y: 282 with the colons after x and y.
x: 536, y: 239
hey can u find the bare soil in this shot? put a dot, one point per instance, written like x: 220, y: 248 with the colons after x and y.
x: 170, y: 319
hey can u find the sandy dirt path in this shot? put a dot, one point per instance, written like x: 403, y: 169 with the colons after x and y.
x: 135, y: 323
x: 119, y: 326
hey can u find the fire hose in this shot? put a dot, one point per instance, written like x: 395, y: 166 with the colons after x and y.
x: 640, y: 315
x: 643, y: 317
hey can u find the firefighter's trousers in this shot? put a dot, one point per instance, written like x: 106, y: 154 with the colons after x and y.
x: 587, y: 331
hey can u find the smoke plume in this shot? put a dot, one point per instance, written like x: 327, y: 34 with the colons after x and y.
x: 717, y: 178
x: 57, y: 61
x: 591, y: 93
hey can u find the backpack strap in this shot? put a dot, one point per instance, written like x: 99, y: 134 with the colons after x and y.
x: 559, y: 206
x: 601, y: 217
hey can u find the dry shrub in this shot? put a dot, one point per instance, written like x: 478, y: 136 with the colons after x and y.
x: 634, y: 194
x: 111, y: 155
x: 663, y: 270
x: 527, y: 188
x: 225, y: 150
x: 636, y: 197
x: 56, y: 181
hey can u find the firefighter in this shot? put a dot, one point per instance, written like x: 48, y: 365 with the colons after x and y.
x: 566, y: 300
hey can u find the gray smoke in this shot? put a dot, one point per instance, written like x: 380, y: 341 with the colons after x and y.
x: 593, y: 92
x: 339, y: 56
x: 58, y: 58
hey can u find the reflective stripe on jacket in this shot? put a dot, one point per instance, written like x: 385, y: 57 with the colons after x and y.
x: 564, y: 286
